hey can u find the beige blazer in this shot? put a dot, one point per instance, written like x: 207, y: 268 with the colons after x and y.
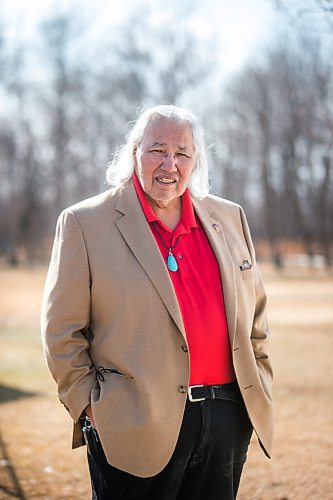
x: 109, y: 301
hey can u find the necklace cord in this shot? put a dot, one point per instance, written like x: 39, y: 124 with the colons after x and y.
x: 162, y: 239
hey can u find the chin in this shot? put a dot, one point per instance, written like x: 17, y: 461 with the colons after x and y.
x: 163, y: 200
x: 163, y: 195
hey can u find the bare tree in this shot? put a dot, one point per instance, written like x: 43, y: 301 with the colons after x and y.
x: 284, y: 104
x: 313, y: 13
x: 59, y: 104
x: 19, y: 167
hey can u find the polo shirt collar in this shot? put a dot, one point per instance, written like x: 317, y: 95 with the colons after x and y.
x: 187, y: 219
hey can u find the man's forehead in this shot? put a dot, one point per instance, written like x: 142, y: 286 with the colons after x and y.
x: 161, y: 131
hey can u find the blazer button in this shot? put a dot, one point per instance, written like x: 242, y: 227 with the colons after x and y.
x: 184, y: 348
x: 182, y: 389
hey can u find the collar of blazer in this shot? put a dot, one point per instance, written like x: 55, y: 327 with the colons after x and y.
x: 135, y: 230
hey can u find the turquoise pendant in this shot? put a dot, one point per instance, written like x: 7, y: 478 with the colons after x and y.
x: 172, y: 263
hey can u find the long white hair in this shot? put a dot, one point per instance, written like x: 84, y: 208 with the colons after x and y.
x: 121, y: 167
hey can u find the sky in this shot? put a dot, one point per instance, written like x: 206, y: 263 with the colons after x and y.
x: 241, y: 26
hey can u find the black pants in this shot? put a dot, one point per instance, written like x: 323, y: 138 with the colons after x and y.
x: 206, y: 465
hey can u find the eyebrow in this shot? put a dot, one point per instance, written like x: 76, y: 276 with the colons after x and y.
x: 157, y: 144
x: 181, y: 148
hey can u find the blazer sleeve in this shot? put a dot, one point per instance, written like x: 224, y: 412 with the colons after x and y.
x: 65, y: 317
x: 260, y: 334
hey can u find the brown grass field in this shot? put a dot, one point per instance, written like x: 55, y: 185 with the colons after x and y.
x: 36, y: 460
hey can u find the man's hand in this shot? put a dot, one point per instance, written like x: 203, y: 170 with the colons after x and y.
x: 89, y: 413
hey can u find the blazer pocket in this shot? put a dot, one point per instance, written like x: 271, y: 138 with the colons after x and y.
x: 101, y: 372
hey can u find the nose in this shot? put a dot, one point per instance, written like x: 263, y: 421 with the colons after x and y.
x: 169, y: 162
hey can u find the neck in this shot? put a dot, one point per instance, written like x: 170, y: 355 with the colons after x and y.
x: 169, y: 214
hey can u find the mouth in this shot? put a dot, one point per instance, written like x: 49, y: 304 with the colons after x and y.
x: 165, y: 180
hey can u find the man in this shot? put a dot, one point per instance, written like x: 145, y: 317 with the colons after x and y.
x: 154, y: 323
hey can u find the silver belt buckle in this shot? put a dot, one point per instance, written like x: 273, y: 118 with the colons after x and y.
x: 189, y: 392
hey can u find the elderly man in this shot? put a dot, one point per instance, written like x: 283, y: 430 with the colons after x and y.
x: 154, y: 323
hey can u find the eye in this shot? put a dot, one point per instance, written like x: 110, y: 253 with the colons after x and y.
x: 184, y: 155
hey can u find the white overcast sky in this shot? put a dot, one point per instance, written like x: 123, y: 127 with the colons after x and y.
x: 242, y: 26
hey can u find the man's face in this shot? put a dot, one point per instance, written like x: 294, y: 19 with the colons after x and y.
x: 165, y: 160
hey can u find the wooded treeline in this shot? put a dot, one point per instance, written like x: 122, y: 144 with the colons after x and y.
x: 67, y: 104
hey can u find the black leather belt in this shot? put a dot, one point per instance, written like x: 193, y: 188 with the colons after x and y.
x: 230, y: 392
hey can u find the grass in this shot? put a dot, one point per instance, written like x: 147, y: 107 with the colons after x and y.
x: 35, y: 432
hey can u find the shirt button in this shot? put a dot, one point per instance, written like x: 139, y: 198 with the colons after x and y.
x: 184, y: 348
x: 217, y: 228
x: 180, y: 256
x: 182, y: 389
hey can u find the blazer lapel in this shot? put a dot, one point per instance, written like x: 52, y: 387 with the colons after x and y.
x: 135, y: 230
x: 216, y: 235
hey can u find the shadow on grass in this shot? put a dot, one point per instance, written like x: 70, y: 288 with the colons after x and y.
x: 11, y: 394
x: 9, y: 482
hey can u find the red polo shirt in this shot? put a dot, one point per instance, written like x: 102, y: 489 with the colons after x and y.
x: 198, y: 288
